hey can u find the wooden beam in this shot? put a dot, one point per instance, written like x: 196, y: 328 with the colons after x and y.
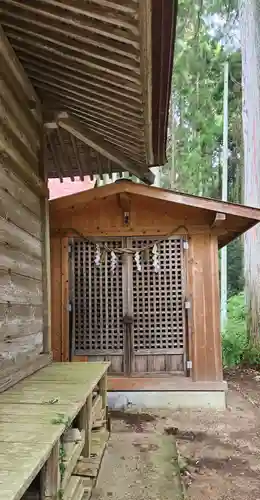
x: 8, y: 55
x: 218, y: 219
x: 104, y: 148
x: 19, y: 18
x: 146, y: 73
x: 64, y: 159
x: 77, y: 156
x: 53, y: 149
x: 122, y: 31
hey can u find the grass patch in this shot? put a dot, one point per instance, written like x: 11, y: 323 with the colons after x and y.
x: 237, y: 348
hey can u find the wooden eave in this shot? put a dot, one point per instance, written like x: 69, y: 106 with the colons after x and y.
x: 107, y: 63
x: 237, y: 220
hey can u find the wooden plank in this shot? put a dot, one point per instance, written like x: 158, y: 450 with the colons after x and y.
x: 9, y: 126
x: 84, y: 373
x: 71, y: 461
x: 89, y: 467
x: 19, y: 289
x: 17, y: 238
x: 55, y: 245
x: 15, y: 350
x: 74, y: 489
x: 103, y: 390
x: 19, y: 263
x: 64, y: 299
x: 46, y: 273
x: 105, y: 148
x: 83, y: 378
x: 19, y: 321
x: 24, y: 367
x: 17, y: 432
x: 50, y: 474
x: 28, y: 414
x: 87, y: 447
x: 157, y: 194
x: 19, y: 215
x: 18, y: 73
x: 18, y: 189
x: 15, y: 479
x: 22, y: 115
x: 206, y: 350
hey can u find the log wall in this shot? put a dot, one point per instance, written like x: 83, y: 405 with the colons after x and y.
x: 24, y: 319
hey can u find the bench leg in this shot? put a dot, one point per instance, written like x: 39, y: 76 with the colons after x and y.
x: 50, y: 475
x: 85, y: 423
x: 103, y: 391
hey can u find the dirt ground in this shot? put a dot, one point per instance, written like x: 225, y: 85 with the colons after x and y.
x: 218, y: 452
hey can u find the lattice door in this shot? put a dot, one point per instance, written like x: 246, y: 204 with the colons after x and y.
x: 97, y: 305
x: 158, y: 310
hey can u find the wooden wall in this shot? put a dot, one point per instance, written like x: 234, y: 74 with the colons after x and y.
x: 150, y: 218
x: 24, y: 316
x: 203, y: 286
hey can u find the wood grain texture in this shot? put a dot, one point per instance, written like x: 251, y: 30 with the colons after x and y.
x: 17, y: 321
x: 56, y: 327
x: 21, y: 219
x: 30, y: 441
x: 206, y: 340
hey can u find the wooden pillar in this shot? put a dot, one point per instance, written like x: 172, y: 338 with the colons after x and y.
x: 204, y: 286
x: 65, y: 299
x: 56, y: 328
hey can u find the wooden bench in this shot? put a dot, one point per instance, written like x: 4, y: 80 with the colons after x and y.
x: 48, y: 448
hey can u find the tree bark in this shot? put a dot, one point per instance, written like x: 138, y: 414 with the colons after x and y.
x: 250, y: 46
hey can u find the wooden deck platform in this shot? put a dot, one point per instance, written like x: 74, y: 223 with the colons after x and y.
x: 35, y: 416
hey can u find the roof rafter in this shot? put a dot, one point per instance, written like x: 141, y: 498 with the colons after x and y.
x: 103, y: 147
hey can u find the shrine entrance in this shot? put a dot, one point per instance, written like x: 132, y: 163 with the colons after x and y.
x: 127, y: 307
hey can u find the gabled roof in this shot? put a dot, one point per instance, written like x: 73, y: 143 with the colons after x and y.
x: 107, y: 63
x: 238, y: 218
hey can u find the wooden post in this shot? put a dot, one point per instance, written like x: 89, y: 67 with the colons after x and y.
x: 103, y: 390
x: 86, y: 423
x: 50, y: 475
x: 65, y: 299
x: 46, y: 268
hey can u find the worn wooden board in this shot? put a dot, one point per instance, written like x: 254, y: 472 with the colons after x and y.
x: 17, y: 432
x: 19, y: 262
x: 19, y: 464
x: 18, y: 238
x: 66, y: 372
x: 24, y: 365
x: 19, y: 289
x: 19, y: 320
x: 74, y: 489
x: 18, y: 189
x: 19, y: 215
x: 32, y: 418
x: 44, y: 414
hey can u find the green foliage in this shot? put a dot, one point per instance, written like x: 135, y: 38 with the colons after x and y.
x: 196, y: 114
x: 234, y: 338
x: 237, y: 348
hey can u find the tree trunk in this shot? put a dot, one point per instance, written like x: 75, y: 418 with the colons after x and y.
x: 250, y: 46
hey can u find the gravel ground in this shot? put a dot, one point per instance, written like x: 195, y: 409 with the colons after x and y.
x: 219, y: 452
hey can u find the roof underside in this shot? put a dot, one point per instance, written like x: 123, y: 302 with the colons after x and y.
x: 238, y: 218
x: 107, y: 63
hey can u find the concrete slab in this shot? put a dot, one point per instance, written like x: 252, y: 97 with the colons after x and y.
x: 167, y: 399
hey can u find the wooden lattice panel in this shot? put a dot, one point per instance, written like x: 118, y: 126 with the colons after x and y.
x: 98, y: 305
x: 158, y: 299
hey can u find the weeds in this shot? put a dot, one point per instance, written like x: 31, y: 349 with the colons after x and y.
x: 237, y: 349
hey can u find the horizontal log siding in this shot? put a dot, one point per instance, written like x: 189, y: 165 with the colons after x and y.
x: 21, y: 218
